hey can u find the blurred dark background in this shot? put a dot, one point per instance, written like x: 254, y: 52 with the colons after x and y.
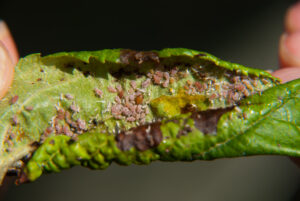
x: 245, y: 32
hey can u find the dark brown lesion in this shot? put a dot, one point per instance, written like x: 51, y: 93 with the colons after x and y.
x: 189, y: 108
x: 150, y: 135
x: 138, y: 57
x: 141, y: 137
x: 207, y: 121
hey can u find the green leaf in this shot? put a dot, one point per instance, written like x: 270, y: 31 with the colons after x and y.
x: 92, y: 108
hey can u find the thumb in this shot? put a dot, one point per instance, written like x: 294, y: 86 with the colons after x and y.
x: 287, y: 74
x: 8, y: 58
x: 8, y: 41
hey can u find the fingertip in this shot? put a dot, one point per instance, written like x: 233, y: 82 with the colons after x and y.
x: 8, y: 41
x: 6, y: 70
x: 292, y: 18
x: 287, y: 74
x: 289, y: 50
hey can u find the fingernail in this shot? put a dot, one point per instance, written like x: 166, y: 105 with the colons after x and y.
x: 289, y: 50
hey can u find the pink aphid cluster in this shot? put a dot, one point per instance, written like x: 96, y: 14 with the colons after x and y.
x: 239, y: 87
x: 192, y: 88
x: 231, y: 89
x: 163, y: 78
x: 64, y: 123
x: 129, y: 105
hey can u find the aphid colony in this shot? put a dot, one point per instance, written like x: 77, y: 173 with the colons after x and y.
x: 64, y: 123
x: 229, y: 88
x: 129, y: 105
x: 132, y: 104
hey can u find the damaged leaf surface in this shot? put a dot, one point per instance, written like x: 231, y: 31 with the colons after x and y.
x: 93, y: 108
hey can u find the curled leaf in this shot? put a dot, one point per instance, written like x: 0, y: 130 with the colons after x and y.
x: 125, y: 106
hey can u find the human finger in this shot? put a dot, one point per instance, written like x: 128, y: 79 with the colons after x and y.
x: 289, y: 45
x: 8, y: 42
x: 289, y: 50
x: 292, y: 19
x: 287, y: 74
x: 6, y: 70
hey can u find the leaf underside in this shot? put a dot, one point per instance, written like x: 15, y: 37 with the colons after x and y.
x: 124, y: 106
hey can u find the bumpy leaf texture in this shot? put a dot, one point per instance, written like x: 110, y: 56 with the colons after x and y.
x: 125, y: 106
